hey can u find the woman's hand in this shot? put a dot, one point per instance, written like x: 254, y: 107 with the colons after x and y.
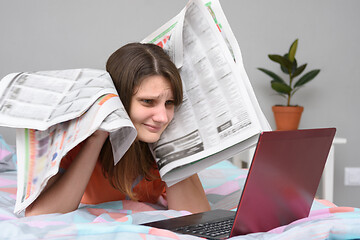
x: 187, y: 195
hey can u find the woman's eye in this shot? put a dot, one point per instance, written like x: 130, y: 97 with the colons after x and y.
x: 147, y: 101
x: 169, y: 102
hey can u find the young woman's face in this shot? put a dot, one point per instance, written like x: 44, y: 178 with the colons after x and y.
x: 152, y: 108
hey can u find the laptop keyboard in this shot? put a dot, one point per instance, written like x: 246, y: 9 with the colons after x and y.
x: 211, y: 229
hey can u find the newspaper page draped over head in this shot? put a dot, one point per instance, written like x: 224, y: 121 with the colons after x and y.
x: 53, y: 112
x: 220, y: 115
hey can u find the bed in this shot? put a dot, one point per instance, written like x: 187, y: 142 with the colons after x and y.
x: 223, y: 183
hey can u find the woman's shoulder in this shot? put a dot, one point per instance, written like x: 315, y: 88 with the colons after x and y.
x: 70, y: 156
x: 149, y: 191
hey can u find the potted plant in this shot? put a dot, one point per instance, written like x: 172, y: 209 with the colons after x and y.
x: 287, y: 117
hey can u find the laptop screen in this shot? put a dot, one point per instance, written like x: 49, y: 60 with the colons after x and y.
x: 283, y: 179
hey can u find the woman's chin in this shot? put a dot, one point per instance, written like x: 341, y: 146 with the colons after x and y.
x: 149, y: 138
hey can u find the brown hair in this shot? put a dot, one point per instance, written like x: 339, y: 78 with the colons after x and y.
x: 128, y: 66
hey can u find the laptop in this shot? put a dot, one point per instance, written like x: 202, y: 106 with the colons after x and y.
x: 280, y: 187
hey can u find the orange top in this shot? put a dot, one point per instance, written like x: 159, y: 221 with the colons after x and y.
x: 99, y: 189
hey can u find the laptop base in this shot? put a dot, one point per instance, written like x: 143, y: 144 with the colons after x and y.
x: 198, y: 224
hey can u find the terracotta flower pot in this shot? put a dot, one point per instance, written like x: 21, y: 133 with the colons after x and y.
x: 287, y: 118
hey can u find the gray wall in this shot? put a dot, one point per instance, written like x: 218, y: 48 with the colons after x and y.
x: 46, y: 35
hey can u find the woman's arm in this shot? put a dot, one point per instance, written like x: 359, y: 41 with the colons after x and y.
x: 187, y: 195
x: 63, y: 192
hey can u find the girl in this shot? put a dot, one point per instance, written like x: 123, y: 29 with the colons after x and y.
x: 150, y: 88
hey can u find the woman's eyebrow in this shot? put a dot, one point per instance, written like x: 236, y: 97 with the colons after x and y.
x: 149, y: 96
x: 155, y: 96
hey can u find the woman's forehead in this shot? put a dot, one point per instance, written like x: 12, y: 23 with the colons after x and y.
x: 155, y: 85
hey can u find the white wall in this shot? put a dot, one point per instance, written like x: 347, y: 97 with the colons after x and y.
x: 45, y: 35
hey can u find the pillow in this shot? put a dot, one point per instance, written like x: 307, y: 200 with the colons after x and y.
x: 7, y: 156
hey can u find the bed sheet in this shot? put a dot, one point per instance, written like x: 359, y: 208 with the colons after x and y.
x: 120, y: 220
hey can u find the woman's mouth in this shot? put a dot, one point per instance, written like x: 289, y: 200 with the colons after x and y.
x: 152, y: 128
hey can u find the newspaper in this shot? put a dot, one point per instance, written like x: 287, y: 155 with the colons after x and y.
x: 54, y: 111
x: 220, y: 115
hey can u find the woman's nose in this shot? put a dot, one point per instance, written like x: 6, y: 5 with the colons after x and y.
x: 160, y: 114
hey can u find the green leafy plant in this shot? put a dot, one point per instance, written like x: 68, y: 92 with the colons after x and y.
x: 289, y: 66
